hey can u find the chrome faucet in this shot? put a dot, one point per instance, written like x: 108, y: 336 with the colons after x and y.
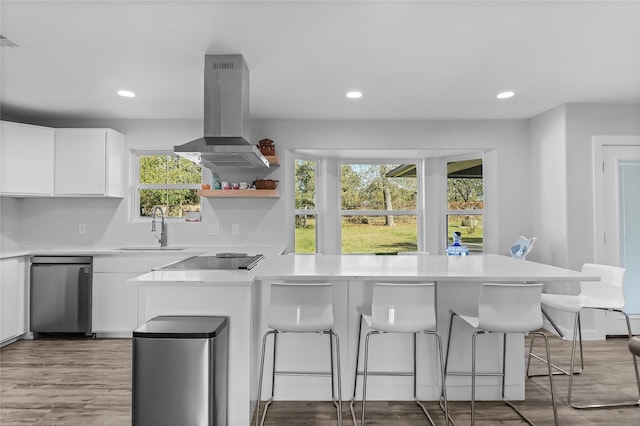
x: 162, y: 239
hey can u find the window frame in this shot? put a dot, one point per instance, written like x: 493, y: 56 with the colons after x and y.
x: 137, y: 186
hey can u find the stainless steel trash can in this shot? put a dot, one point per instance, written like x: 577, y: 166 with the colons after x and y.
x: 180, y: 371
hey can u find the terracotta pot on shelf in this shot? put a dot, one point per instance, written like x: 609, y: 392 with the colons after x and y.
x: 267, y: 147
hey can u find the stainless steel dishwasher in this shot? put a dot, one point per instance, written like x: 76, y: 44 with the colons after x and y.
x: 61, y: 294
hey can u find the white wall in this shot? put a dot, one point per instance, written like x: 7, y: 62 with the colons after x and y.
x: 583, y: 122
x: 43, y: 222
x: 561, y: 150
x: 10, y: 222
x: 55, y: 221
x: 548, y: 181
x: 563, y: 184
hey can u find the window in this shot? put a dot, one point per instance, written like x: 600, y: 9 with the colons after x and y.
x: 378, y: 212
x: 166, y: 180
x: 306, y: 214
x: 465, y: 203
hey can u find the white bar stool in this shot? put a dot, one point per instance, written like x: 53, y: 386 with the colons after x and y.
x: 301, y: 308
x: 503, y: 308
x: 606, y: 294
x: 398, y: 308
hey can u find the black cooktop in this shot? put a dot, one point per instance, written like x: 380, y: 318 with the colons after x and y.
x: 220, y: 261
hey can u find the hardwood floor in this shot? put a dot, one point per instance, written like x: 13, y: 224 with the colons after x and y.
x: 88, y: 382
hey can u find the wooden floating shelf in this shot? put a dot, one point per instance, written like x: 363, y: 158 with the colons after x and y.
x: 239, y: 193
x: 273, y: 160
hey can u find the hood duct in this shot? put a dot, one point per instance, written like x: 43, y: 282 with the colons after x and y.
x: 226, y: 117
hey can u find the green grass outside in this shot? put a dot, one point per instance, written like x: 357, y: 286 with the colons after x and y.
x: 357, y: 238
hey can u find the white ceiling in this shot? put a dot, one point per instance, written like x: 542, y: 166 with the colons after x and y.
x: 412, y: 59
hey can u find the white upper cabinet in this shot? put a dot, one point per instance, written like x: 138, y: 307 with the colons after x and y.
x: 26, y: 159
x: 89, y: 163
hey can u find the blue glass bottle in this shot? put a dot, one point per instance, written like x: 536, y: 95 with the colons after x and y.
x: 457, y: 249
x: 215, y: 183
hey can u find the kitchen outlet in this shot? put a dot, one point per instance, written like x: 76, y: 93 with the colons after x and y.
x: 235, y: 229
x: 214, y: 229
x: 82, y: 229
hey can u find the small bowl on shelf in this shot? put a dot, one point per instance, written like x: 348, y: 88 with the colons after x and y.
x: 205, y: 186
x: 266, y: 184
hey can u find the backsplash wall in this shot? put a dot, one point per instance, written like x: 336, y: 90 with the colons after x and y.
x: 45, y: 222
x: 54, y: 221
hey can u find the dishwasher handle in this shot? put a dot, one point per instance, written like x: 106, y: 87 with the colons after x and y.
x: 62, y: 259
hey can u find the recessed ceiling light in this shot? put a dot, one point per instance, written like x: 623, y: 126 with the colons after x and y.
x: 505, y: 95
x: 126, y: 93
x: 354, y: 95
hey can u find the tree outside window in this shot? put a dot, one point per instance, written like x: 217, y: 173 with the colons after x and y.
x: 379, y: 213
x: 306, y: 216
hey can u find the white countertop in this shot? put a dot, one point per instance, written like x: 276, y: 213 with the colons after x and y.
x: 8, y: 252
x: 431, y: 267
x: 370, y: 267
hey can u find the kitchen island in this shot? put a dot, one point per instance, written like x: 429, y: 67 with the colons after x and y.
x: 243, y: 296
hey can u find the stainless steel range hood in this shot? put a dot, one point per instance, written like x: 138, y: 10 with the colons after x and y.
x: 226, y: 117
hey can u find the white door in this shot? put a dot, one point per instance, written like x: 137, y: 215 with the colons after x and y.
x: 621, y: 226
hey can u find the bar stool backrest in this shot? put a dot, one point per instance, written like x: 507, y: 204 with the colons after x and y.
x: 301, y: 307
x: 403, y: 307
x: 510, y: 308
x: 606, y: 293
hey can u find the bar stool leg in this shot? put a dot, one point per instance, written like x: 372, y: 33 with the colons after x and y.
x: 576, y: 327
x: 260, y: 420
x: 635, y: 365
x: 443, y: 393
x: 442, y: 377
x: 415, y: 385
x: 635, y: 362
x: 473, y: 377
x: 333, y: 384
x: 365, y: 371
x: 557, y: 369
x: 553, y: 392
x: 549, y: 368
x: 333, y: 335
x: 446, y: 359
x: 273, y: 370
x: 355, y: 376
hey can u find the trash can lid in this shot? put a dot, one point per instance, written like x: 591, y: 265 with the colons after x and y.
x: 181, y: 327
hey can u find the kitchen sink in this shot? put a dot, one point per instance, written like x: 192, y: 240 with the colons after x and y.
x: 154, y: 248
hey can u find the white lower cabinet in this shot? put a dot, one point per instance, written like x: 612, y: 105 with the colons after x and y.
x: 12, y: 298
x: 114, y: 300
x: 115, y: 303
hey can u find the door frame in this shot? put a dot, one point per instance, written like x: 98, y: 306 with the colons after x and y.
x: 607, y: 324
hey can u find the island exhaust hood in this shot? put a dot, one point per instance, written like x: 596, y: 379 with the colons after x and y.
x: 226, y: 118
